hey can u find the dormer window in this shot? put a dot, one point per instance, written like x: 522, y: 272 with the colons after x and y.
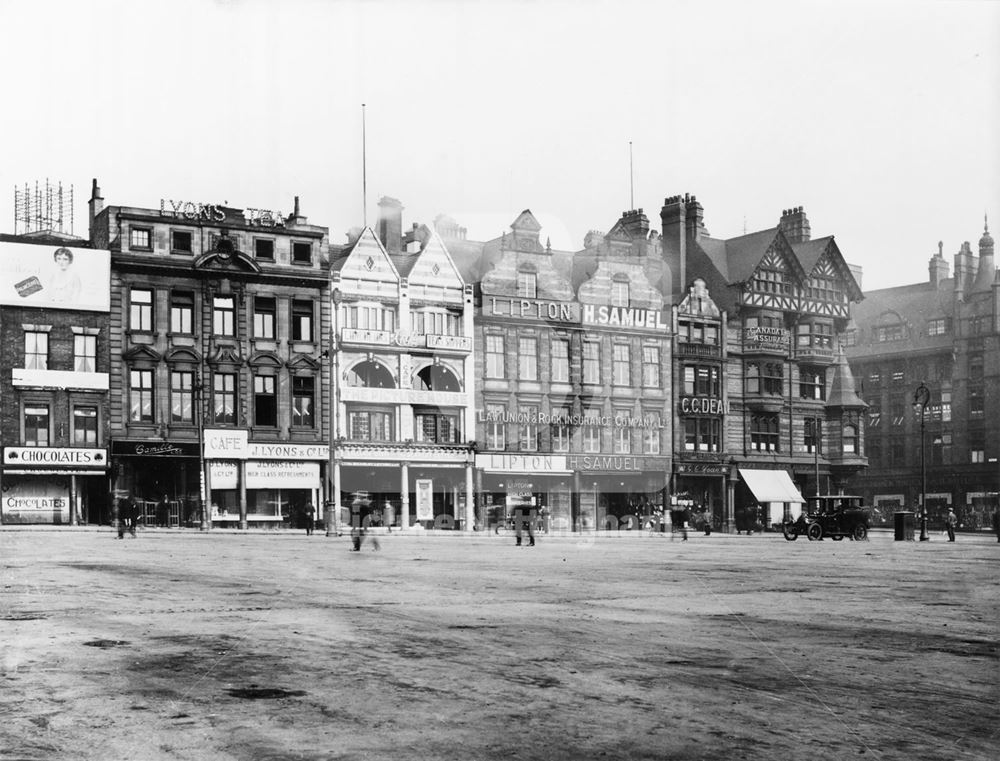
x: 527, y: 285
x: 619, y: 292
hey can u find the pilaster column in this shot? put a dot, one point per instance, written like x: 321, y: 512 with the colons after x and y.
x: 404, y: 493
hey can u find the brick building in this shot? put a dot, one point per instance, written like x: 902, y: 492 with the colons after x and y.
x: 218, y: 381
x: 943, y: 333
x: 54, y: 384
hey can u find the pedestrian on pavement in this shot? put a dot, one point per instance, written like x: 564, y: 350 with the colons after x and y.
x: 388, y: 516
x: 521, y: 518
x: 127, y: 515
x: 949, y: 523
x: 357, y: 537
x: 163, y: 512
x: 310, y: 518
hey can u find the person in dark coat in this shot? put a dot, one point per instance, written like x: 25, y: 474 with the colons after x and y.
x: 309, y: 517
x: 949, y: 523
x: 524, y: 518
x: 163, y: 512
x: 128, y: 514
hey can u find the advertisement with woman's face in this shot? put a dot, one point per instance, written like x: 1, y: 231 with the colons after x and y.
x: 55, y: 277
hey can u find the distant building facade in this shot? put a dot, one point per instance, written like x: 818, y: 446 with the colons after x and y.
x: 54, y: 351
x: 943, y: 333
x: 218, y: 315
x: 402, y: 347
x: 766, y: 402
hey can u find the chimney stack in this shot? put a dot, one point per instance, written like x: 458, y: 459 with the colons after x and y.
x: 95, y: 207
x: 965, y: 270
x: 390, y: 224
x: 673, y: 221
x: 636, y: 223
x: 938, y: 267
x: 694, y: 213
x: 795, y: 225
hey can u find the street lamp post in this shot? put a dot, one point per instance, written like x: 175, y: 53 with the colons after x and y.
x: 333, y: 482
x: 920, y: 399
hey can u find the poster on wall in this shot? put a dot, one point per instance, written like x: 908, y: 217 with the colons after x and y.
x: 55, y: 277
x: 35, y: 500
x: 425, y: 499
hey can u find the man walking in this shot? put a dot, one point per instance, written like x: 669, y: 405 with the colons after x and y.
x: 310, y: 518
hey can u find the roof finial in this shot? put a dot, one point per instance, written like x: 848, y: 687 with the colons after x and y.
x: 986, y: 223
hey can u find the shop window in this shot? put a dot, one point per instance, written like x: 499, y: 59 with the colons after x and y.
x: 527, y: 358
x: 560, y: 360
x: 303, y: 402
x: 85, y: 426
x: 264, y: 310
x: 36, y: 425
x: 702, y: 434
x: 140, y: 239
x: 182, y: 312
x: 814, y: 435
x: 560, y: 429
x: 181, y: 396
x: 141, y: 396
x: 651, y: 433
x: 369, y: 424
x: 36, y: 350
x: 370, y: 374
x: 496, y: 430
x: 224, y: 398
x: 224, y: 316
x: 528, y: 429
x: 180, y: 242
x: 301, y: 253
x: 764, y: 432
x: 141, y: 310
x: 263, y: 248
x: 527, y: 285
x: 812, y: 383
x: 437, y: 378
x: 265, y: 401
x: 591, y: 362
x: 619, y: 292
x: 702, y: 380
x: 494, y: 356
x: 436, y: 426
x: 302, y: 320
x: 592, y: 431
x: 621, y: 371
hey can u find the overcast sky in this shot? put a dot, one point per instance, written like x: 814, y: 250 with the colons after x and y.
x: 881, y: 118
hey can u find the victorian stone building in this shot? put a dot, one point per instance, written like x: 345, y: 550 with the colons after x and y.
x: 218, y: 381
x: 403, y: 365
x: 766, y: 400
x: 942, y: 334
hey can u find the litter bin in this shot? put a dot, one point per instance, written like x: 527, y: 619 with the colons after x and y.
x: 904, y: 524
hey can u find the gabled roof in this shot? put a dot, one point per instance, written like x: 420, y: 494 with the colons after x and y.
x: 355, y: 259
x: 435, y: 254
x: 743, y: 254
x: 812, y: 252
x: 526, y: 221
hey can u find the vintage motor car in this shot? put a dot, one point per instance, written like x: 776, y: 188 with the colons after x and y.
x: 834, y: 516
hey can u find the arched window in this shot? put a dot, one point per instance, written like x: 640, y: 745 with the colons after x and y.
x: 370, y: 374
x: 438, y: 378
x: 850, y: 439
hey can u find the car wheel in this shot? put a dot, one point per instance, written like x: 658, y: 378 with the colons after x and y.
x: 790, y: 533
x: 815, y: 532
x: 860, y: 532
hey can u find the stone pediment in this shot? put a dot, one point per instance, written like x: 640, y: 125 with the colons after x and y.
x: 183, y: 354
x: 303, y: 362
x: 265, y: 359
x: 226, y: 355
x: 698, y: 303
x: 141, y: 354
x: 226, y: 261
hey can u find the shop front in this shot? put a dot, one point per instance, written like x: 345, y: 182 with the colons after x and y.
x: 262, y: 484
x: 704, y: 484
x: 765, y: 498
x: 163, y: 477
x: 54, y: 485
x: 620, y: 492
x: 539, y: 484
x: 405, y: 487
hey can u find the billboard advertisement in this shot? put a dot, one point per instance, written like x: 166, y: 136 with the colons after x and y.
x: 55, y: 277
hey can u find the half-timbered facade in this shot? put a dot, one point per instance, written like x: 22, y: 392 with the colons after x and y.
x: 787, y: 297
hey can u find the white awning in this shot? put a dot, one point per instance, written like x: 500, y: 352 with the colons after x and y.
x: 771, y: 485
